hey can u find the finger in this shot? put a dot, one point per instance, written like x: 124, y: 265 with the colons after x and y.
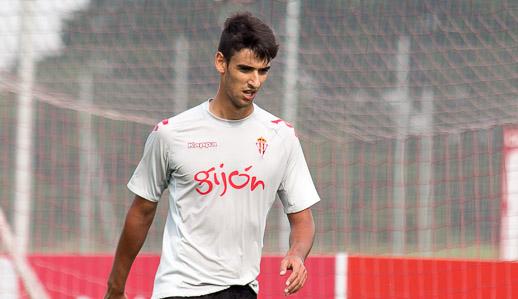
x: 295, y: 287
x: 294, y: 274
x: 284, y: 266
x: 303, y: 281
x: 300, y: 285
x: 296, y: 278
x: 298, y: 282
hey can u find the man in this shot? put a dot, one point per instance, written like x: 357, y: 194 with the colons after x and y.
x: 224, y: 162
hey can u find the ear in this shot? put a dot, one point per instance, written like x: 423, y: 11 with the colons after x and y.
x: 220, y: 63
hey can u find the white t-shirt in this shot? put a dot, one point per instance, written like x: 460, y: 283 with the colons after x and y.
x: 223, y: 176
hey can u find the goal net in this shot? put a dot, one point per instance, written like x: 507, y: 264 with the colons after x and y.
x: 401, y: 107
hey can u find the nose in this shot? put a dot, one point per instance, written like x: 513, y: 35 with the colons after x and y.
x: 254, y: 81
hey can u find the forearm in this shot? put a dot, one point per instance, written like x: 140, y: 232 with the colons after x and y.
x: 301, y: 240
x: 136, y: 226
x: 131, y: 241
x: 302, y: 234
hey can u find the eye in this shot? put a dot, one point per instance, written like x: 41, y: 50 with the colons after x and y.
x: 245, y: 69
x: 264, y: 71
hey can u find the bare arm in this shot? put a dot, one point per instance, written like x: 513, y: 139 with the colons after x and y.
x: 301, y: 240
x: 138, y: 220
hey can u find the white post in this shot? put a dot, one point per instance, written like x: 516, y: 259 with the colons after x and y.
x: 9, y: 280
x: 509, y: 222
x: 181, y: 75
x: 290, y: 106
x: 93, y: 189
x: 33, y: 286
x: 23, y: 187
x: 403, y: 111
x: 292, y: 60
x: 425, y: 215
x: 341, y: 267
x: 86, y: 160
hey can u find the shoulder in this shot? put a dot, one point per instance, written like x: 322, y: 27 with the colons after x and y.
x: 171, y: 125
x: 281, y: 127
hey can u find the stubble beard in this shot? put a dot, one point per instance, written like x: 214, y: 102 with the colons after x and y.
x: 238, y: 102
x: 242, y: 107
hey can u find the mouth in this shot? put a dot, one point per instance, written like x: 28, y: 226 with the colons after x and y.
x: 250, y: 94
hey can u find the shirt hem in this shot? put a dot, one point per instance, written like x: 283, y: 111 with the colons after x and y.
x: 301, y: 208
x: 133, y: 188
x: 182, y: 293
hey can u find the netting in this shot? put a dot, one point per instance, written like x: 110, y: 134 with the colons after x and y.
x: 401, y: 111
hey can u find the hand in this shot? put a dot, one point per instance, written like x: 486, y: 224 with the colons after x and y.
x: 298, y: 275
x: 111, y: 294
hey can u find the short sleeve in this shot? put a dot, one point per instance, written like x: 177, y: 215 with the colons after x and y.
x: 151, y: 176
x: 297, y: 191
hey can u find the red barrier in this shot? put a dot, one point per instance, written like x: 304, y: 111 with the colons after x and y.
x: 320, y: 283
x: 375, y: 277
x: 73, y: 276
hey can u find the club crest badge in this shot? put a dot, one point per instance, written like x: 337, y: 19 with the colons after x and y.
x: 262, y: 145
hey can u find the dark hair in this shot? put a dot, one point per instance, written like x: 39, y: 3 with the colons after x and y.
x: 244, y: 31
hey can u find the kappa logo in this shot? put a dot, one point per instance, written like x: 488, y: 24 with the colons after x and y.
x: 201, y: 145
x: 262, y: 145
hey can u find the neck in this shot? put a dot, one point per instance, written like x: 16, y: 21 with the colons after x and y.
x: 223, y: 108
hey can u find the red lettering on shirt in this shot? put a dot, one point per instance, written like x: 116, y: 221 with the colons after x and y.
x: 208, y: 179
x: 204, y: 182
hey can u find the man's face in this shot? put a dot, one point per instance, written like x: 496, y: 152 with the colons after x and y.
x: 242, y: 78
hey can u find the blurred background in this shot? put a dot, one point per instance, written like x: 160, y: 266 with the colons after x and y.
x: 401, y: 106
